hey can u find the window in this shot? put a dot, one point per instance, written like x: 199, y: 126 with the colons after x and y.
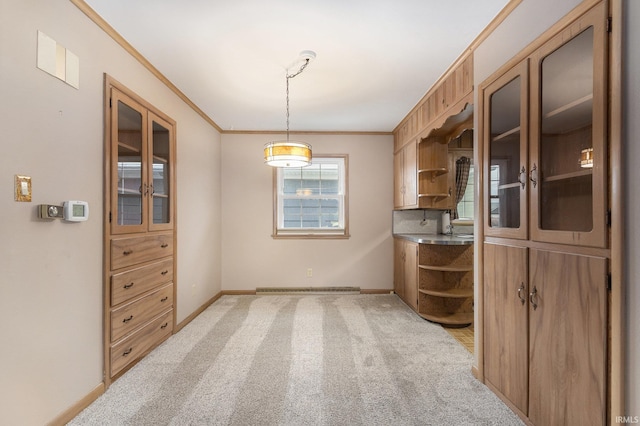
x: 312, y: 201
x: 465, y: 206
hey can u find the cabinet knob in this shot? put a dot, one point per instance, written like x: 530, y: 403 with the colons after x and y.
x: 128, y: 319
x: 127, y: 252
x: 127, y: 352
x: 164, y: 272
x: 163, y: 326
x: 164, y: 245
x: 128, y: 285
x: 164, y: 299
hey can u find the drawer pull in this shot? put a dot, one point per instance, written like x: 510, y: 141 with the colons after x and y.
x: 164, y: 299
x: 164, y: 272
x: 128, y: 285
x: 163, y: 326
x: 127, y: 252
x: 128, y: 319
x: 127, y: 352
x: 164, y: 245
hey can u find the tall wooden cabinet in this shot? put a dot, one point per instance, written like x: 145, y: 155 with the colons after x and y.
x: 405, y: 271
x: 545, y: 181
x: 139, y: 228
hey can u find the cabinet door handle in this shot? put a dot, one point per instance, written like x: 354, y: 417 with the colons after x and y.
x: 127, y: 252
x: 164, y: 272
x: 128, y: 319
x: 520, y: 290
x: 164, y: 299
x: 164, y: 245
x: 163, y: 326
x: 522, y: 177
x: 127, y: 352
x: 533, y: 297
x: 534, y: 175
x: 128, y: 285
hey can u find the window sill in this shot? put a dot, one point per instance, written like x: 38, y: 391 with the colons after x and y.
x: 310, y: 235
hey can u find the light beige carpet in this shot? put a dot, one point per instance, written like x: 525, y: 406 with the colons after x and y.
x: 303, y: 360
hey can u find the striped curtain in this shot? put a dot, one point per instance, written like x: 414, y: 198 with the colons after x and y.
x: 463, y: 164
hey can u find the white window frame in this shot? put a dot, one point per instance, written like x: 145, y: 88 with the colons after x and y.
x: 342, y: 230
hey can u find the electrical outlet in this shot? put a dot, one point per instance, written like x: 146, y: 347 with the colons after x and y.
x: 309, y: 272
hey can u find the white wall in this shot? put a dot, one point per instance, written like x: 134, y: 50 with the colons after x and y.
x: 631, y: 130
x: 530, y: 19
x: 51, y: 299
x: 252, y: 258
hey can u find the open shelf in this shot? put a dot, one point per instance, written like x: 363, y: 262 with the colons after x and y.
x: 436, y: 196
x: 435, y: 171
x: 448, y: 268
x: 452, y: 292
x: 445, y: 318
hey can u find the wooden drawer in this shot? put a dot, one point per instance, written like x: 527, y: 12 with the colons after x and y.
x: 136, y: 345
x: 133, y: 315
x: 129, y: 284
x: 131, y: 251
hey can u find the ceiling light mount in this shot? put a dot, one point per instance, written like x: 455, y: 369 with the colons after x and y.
x: 308, y: 54
x: 290, y: 153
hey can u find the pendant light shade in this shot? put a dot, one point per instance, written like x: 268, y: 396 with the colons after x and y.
x: 287, y: 154
x: 290, y: 153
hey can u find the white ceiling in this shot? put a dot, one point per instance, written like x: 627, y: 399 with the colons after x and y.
x: 375, y: 58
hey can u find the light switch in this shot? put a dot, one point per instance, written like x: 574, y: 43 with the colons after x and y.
x: 23, y: 188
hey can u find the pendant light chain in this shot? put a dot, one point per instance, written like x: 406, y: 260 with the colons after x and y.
x: 288, y: 77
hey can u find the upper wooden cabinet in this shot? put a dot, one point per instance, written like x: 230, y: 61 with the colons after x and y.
x: 545, y: 137
x: 142, y: 170
x: 405, y: 177
x: 447, y: 97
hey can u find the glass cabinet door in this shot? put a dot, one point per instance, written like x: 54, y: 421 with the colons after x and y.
x: 505, y: 127
x: 160, y: 173
x: 129, y: 149
x: 568, y: 164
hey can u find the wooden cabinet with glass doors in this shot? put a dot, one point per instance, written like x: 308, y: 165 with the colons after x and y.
x: 545, y: 245
x: 139, y: 228
x: 548, y: 183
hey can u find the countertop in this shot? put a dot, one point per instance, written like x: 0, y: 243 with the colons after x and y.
x: 439, y: 239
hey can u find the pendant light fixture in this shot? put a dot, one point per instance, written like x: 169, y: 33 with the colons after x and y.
x: 290, y: 153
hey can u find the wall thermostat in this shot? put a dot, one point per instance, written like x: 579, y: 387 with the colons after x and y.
x: 75, y: 211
